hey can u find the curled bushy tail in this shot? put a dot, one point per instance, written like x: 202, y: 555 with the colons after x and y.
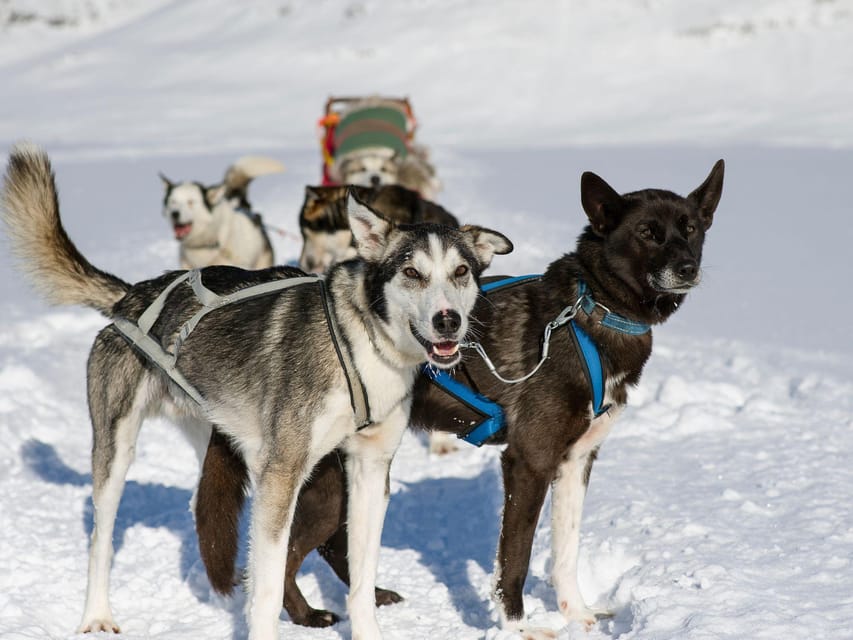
x: 30, y: 209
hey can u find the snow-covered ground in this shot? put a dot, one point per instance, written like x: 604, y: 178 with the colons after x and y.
x: 719, y: 507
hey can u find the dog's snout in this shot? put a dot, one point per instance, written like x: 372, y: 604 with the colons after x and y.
x: 374, y: 180
x: 175, y: 215
x: 687, y: 270
x: 447, y: 322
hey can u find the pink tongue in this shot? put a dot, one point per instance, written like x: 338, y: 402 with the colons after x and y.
x: 445, y: 348
x: 181, y: 230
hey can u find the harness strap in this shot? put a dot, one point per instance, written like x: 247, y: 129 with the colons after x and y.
x: 586, y: 348
x: 591, y: 359
x: 138, y: 333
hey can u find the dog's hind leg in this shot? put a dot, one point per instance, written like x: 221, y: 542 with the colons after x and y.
x: 118, y: 399
x: 334, y: 552
x: 370, y: 452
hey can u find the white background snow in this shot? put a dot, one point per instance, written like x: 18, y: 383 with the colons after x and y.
x: 720, y: 505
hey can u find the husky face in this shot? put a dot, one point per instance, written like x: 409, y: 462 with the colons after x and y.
x: 188, y: 207
x: 368, y: 168
x: 422, y: 280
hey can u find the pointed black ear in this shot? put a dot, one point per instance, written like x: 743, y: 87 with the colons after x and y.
x: 707, y: 196
x: 311, y: 193
x: 602, y: 204
x: 166, y: 182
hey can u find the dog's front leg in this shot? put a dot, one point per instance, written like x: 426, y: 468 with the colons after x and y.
x: 370, y: 452
x: 525, y: 488
x: 277, y: 486
x: 569, y: 490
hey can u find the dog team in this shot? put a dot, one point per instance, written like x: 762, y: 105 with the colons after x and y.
x: 298, y: 383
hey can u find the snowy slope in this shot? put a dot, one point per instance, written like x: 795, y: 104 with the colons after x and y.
x: 719, y: 507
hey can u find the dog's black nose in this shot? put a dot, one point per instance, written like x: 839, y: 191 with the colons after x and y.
x: 176, y: 215
x: 447, y: 323
x: 374, y: 181
x: 687, y: 270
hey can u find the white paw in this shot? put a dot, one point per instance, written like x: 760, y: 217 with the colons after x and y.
x: 103, y: 624
x: 442, y: 443
x: 583, y: 614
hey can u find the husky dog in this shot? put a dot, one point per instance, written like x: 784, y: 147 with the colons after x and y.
x: 376, y: 166
x: 327, y: 239
x: 273, y: 372
x: 638, y: 258
x: 324, y: 224
x: 215, y: 224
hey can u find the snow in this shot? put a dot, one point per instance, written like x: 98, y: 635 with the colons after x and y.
x: 719, y: 507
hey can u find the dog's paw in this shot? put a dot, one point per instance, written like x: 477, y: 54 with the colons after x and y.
x: 94, y: 626
x: 537, y: 633
x: 442, y: 443
x: 583, y: 614
x: 386, y: 596
x: 318, y: 618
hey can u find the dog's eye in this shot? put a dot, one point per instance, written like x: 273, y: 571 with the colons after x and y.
x: 689, y: 229
x: 411, y: 272
x: 461, y: 270
x: 645, y: 232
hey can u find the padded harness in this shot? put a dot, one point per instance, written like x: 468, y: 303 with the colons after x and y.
x: 138, y: 333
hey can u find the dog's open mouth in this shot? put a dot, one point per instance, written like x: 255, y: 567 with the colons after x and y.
x: 442, y: 354
x: 183, y: 230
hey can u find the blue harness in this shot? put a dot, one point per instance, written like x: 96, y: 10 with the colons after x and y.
x: 492, y: 413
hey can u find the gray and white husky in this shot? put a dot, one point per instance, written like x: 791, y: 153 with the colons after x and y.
x: 268, y: 373
x: 215, y: 224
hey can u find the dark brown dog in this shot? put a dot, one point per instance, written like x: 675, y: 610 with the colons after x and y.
x: 325, y: 228
x: 639, y: 256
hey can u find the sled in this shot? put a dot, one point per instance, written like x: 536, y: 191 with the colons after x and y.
x: 352, y: 123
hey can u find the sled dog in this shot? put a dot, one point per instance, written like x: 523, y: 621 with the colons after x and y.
x: 326, y: 236
x: 215, y: 225
x: 286, y: 375
x: 323, y: 221
x: 631, y: 269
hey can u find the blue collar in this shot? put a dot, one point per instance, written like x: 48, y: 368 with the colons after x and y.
x: 610, y: 320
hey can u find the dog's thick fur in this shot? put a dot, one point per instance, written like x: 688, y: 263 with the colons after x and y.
x: 640, y: 255
x: 327, y: 238
x: 267, y: 370
x: 215, y: 224
x: 324, y: 223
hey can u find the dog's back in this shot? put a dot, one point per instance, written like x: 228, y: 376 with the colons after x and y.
x: 325, y: 228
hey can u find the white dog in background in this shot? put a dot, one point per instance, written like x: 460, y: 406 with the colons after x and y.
x: 215, y: 224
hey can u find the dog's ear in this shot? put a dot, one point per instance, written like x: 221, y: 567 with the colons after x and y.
x: 706, y: 197
x: 214, y: 194
x: 311, y: 194
x: 486, y: 243
x: 602, y: 204
x: 168, y: 184
x: 369, y: 229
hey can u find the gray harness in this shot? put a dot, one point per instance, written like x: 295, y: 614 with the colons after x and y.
x: 138, y: 333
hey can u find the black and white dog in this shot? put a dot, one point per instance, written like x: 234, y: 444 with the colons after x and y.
x: 631, y: 269
x: 274, y: 372
x: 215, y: 225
